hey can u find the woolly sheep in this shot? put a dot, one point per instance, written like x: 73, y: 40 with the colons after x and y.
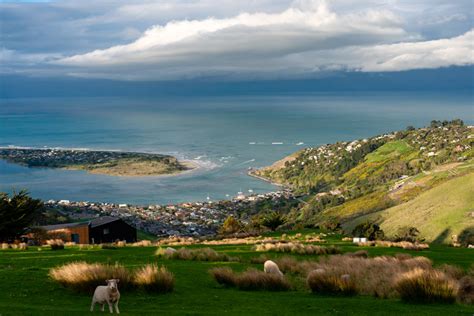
x: 107, y: 294
x: 169, y: 251
x: 271, y: 267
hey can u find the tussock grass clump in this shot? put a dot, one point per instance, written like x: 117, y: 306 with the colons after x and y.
x: 19, y: 246
x: 426, y: 286
x: 359, y: 253
x: 391, y: 244
x: 297, y: 248
x: 260, y: 259
x: 250, y: 280
x: 154, y: 279
x: 198, y: 254
x: 142, y: 243
x: 321, y: 282
x: 83, y: 276
x: 466, y: 289
x: 5, y: 246
x: 55, y: 244
x: 224, y: 276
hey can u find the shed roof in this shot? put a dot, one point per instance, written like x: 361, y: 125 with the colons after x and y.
x: 103, y: 220
x: 65, y: 225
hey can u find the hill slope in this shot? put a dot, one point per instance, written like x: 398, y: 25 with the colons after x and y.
x: 438, y: 213
x: 341, y: 182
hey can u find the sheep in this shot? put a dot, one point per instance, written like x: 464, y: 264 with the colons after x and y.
x: 107, y: 294
x: 169, y: 251
x: 271, y: 267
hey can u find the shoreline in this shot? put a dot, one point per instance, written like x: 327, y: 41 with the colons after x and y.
x: 265, y: 179
x: 117, y: 163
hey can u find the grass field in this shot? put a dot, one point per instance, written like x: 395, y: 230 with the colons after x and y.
x: 26, y: 288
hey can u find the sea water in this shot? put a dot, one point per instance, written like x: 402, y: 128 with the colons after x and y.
x: 224, y: 135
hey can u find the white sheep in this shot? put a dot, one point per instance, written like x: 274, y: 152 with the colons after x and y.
x: 107, y: 294
x: 271, y: 267
x: 169, y: 251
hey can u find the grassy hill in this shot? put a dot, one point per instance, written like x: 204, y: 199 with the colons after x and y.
x: 438, y: 213
x: 345, y: 181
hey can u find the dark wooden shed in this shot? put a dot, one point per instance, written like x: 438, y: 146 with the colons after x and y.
x: 109, y: 229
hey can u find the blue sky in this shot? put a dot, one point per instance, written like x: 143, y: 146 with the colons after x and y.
x: 238, y: 40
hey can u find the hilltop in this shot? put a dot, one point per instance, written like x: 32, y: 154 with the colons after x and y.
x: 387, y: 178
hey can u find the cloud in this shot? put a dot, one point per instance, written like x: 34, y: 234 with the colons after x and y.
x: 267, y: 39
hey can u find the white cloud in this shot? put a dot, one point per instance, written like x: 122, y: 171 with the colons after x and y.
x: 270, y: 39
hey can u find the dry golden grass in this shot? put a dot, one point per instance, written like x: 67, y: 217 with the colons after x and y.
x: 402, y: 244
x: 298, y: 248
x: 154, y: 279
x: 321, y: 282
x: 426, y: 286
x: 142, y: 243
x: 198, y: 254
x: 83, y: 276
x: 250, y: 280
x: 55, y: 244
x: 466, y: 289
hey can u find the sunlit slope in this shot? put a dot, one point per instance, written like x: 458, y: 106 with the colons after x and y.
x: 438, y: 213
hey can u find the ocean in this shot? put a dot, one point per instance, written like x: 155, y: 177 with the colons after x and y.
x: 225, y: 135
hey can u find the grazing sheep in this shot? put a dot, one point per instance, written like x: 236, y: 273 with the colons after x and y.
x: 271, y: 267
x: 107, y: 294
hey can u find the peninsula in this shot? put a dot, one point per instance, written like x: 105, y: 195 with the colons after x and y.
x: 114, y: 163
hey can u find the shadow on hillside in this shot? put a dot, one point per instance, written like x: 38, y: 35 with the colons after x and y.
x: 466, y: 237
x: 442, y: 237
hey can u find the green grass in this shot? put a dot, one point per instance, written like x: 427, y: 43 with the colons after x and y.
x: 27, y: 290
x: 389, y: 150
x: 443, y: 210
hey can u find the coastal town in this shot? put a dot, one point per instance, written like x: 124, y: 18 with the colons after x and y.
x: 184, y: 219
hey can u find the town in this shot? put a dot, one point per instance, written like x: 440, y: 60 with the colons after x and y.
x: 184, y: 219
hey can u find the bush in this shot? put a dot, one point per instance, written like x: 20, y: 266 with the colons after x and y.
x: 230, y: 226
x: 410, y: 234
x: 272, y: 220
x: 322, y: 281
x: 83, y: 276
x: 369, y: 230
x: 426, y: 286
x: 250, y: 280
x: 154, y: 279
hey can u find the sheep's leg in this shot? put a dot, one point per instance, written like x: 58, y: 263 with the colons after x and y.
x: 103, y: 306
x: 92, y: 306
x: 110, y: 307
x: 116, y: 308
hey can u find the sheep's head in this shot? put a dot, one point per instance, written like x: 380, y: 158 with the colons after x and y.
x: 112, y: 284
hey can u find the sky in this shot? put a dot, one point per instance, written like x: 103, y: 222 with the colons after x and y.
x: 231, y: 40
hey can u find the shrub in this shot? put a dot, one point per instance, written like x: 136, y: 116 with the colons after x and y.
x: 322, y: 281
x: 369, y: 230
x: 410, y: 234
x: 230, y: 226
x: 272, y: 220
x: 154, y: 279
x: 250, y: 280
x: 83, y: 276
x: 427, y: 286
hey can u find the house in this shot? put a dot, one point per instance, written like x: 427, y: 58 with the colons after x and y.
x: 100, y: 230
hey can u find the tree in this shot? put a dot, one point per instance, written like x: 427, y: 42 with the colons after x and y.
x: 230, y: 226
x: 16, y: 214
x: 410, y: 128
x: 272, y: 220
x: 410, y: 234
x: 369, y: 230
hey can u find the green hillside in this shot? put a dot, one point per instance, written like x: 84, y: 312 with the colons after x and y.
x: 345, y: 181
x: 438, y: 213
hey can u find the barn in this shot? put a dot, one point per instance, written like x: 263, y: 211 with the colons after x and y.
x: 104, y: 229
